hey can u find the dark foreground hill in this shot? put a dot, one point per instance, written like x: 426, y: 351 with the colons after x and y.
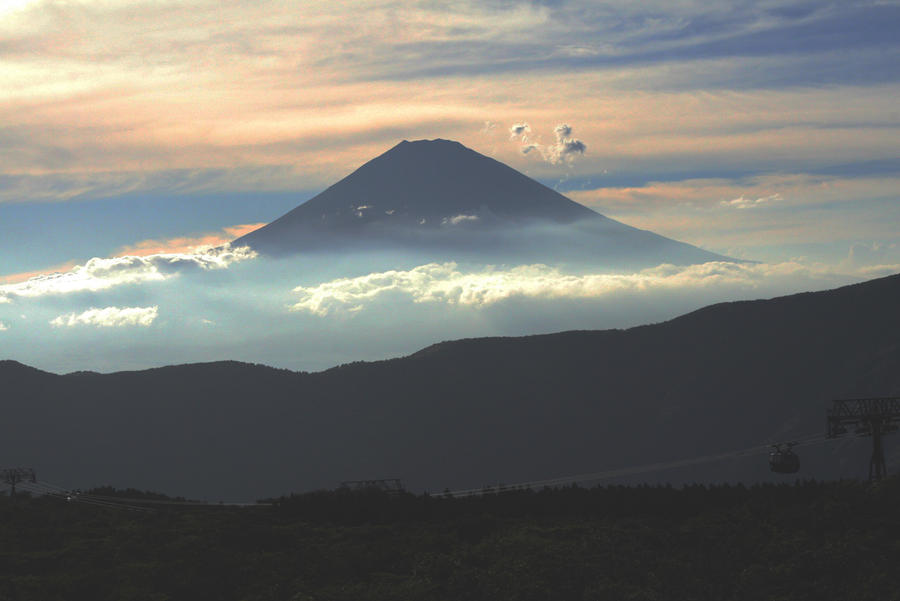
x: 444, y: 201
x: 481, y: 411
x: 812, y: 541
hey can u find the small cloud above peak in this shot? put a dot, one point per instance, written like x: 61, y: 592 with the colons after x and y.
x: 563, y: 131
x: 519, y: 130
x: 563, y: 151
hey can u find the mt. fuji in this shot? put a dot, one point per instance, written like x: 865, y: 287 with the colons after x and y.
x: 448, y: 202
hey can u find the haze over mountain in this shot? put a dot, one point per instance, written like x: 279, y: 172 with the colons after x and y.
x: 471, y: 412
x: 449, y: 202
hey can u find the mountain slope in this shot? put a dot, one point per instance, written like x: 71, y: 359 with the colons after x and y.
x: 472, y: 412
x: 439, y: 196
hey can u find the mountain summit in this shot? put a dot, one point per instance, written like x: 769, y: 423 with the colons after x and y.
x: 438, y: 194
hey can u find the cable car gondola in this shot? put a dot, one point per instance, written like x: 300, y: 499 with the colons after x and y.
x: 783, y: 460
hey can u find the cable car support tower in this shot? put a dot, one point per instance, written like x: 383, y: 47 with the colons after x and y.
x: 869, y: 417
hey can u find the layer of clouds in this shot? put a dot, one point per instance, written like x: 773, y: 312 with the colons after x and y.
x: 104, y: 273
x: 314, y: 312
x: 871, y: 253
x: 878, y: 271
x: 873, y: 259
x: 445, y: 283
x: 712, y: 193
x: 109, y: 317
x: 3, y: 327
x: 735, y: 216
x: 26, y: 184
x: 270, y: 86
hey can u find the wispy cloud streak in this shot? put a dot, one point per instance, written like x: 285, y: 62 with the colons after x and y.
x: 109, y: 317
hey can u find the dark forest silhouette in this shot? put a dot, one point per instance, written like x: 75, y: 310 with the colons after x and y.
x: 810, y: 540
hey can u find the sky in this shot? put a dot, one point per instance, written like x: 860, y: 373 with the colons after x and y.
x: 135, y: 136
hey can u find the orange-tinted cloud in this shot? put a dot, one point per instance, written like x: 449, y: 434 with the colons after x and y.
x: 143, y: 89
x: 236, y: 231
x: 720, y: 214
x: 16, y: 278
x: 186, y: 244
x: 144, y: 248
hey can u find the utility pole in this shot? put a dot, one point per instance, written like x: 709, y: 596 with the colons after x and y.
x: 13, y: 475
x: 869, y: 417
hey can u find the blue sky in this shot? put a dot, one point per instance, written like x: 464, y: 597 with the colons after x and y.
x: 760, y: 130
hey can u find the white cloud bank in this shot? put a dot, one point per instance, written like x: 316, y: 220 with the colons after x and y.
x: 445, y: 283
x: 101, y: 274
x: 109, y: 317
x: 3, y: 327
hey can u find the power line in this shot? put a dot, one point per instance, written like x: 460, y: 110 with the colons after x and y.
x: 140, y: 503
x: 36, y: 488
x: 46, y: 488
x: 629, y: 471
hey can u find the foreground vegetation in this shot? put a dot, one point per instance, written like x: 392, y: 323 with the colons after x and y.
x: 804, y: 541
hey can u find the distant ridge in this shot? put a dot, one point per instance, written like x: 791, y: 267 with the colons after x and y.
x: 469, y: 412
x: 438, y: 194
x: 14, y: 369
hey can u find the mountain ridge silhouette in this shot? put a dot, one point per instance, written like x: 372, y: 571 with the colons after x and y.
x: 464, y: 413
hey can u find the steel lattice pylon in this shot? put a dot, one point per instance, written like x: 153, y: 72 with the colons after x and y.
x: 13, y: 475
x: 870, y: 417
